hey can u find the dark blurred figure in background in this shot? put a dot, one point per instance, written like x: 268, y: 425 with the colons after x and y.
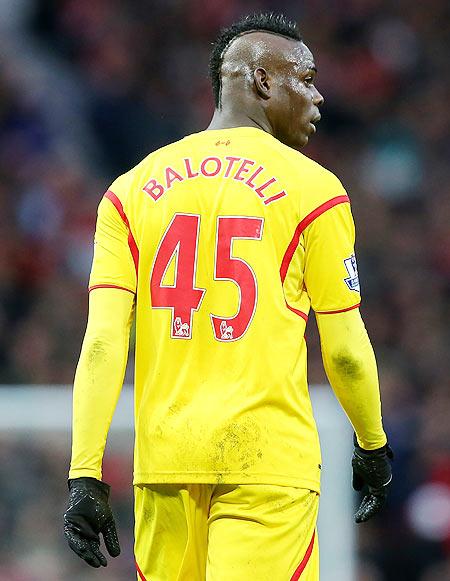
x: 88, y: 87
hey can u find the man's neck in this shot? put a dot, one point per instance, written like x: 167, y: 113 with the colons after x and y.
x: 227, y: 119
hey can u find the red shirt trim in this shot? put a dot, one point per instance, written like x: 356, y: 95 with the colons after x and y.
x: 110, y: 286
x: 131, y: 241
x: 297, y: 312
x: 302, y: 226
x: 140, y: 573
x: 338, y: 311
x: 305, y: 559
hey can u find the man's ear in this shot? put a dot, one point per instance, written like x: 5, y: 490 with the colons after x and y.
x: 262, y: 83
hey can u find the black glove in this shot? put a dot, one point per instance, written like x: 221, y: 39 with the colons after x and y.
x: 88, y: 514
x: 371, y: 468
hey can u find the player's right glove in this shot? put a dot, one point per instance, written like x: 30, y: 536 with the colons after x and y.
x: 89, y: 514
x: 371, y: 468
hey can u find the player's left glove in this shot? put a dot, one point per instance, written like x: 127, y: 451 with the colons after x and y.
x: 371, y: 468
x: 89, y: 514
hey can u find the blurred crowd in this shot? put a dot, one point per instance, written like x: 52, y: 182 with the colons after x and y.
x: 89, y: 87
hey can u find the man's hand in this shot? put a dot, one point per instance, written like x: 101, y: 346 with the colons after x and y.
x: 87, y: 515
x: 371, y: 468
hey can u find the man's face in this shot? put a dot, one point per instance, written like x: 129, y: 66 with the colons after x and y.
x: 293, y: 108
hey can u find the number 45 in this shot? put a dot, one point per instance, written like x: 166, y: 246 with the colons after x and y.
x: 180, y: 243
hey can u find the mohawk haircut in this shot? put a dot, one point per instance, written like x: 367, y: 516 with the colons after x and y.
x: 265, y: 22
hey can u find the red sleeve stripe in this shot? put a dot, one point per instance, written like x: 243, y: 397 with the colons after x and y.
x: 297, y: 312
x: 134, y: 251
x: 131, y: 241
x: 118, y: 205
x: 305, y: 559
x: 140, y: 573
x: 91, y: 288
x: 301, y: 227
x: 338, y: 311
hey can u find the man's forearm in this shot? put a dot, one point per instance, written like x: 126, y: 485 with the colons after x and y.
x: 351, y: 368
x: 99, y: 377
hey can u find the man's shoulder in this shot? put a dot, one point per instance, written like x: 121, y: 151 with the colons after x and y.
x: 314, y: 184
x: 307, y: 168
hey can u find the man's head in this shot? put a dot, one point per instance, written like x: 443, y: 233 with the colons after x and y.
x: 261, y: 66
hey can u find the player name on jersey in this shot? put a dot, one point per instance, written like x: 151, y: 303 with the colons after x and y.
x: 240, y: 169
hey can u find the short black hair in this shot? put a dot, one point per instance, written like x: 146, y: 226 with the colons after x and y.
x: 268, y: 22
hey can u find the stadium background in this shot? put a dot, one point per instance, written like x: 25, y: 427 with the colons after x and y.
x: 87, y: 88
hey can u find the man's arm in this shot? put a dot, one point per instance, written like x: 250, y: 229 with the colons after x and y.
x: 101, y: 367
x: 331, y: 279
x: 99, y: 377
x: 351, y: 368
x: 98, y: 381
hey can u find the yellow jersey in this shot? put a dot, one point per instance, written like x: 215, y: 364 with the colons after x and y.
x: 227, y: 238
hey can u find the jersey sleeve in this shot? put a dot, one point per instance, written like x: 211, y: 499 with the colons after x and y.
x: 331, y: 274
x: 115, y: 261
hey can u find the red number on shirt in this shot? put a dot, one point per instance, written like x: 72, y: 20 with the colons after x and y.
x: 180, y: 243
x: 227, y: 267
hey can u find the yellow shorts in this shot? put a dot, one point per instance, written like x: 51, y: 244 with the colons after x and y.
x: 224, y: 532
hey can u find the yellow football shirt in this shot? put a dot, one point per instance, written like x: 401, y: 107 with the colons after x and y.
x: 227, y: 237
